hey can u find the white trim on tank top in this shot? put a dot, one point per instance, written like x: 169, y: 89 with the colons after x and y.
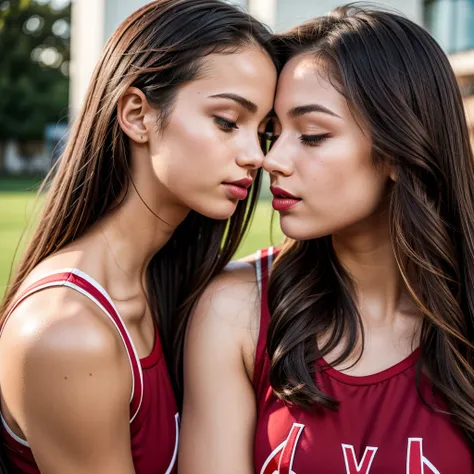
x: 102, y: 291
x: 258, y: 270
x: 176, y: 443
x: 13, y: 435
x: 258, y: 265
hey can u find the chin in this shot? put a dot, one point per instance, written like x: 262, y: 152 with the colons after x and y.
x: 218, y: 211
x: 296, y: 229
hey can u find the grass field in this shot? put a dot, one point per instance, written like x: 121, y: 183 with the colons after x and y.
x: 18, y: 208
x: 15, y: 213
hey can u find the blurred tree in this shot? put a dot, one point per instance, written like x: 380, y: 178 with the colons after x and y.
x: 34, y: 59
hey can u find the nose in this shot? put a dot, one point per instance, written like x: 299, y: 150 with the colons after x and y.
x: 251, y: 157
x: 278, y: 161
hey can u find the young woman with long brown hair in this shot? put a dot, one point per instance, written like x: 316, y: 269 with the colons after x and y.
x: 361, y: 358
x: 151, y: 199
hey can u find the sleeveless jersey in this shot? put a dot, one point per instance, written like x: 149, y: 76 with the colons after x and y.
x: 381, y: 426
x: 153, y: 413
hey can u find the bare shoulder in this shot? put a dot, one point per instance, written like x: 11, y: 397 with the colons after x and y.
x: 218, y: 373
x: 61, y: 319
x: 58, y: 334
x: 226, y: 319
x: 232, y: 297
x: 66, y: 380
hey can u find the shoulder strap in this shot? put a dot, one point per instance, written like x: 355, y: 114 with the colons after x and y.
x: 262, y: 265
x: 84, y: 284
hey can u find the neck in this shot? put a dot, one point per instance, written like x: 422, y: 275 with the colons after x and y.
x: 138, y: 228
x: 366, y: 253
x: 133, y: 234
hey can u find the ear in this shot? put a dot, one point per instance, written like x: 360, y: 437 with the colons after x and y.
x: 132, y: 111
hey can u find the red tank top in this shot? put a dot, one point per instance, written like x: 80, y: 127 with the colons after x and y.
x: 153, y: 414
x: 381, y: 427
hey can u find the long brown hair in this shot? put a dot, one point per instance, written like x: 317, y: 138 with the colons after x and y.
x: 398, y: 80
x: 157, y: 49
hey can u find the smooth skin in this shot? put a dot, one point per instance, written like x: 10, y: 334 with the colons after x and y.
x: 219, y: 412
x: 65, y: 377
x: 324, y: 157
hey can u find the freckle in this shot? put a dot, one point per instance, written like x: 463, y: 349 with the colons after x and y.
x: 90, y: 375
x: 65, y: 378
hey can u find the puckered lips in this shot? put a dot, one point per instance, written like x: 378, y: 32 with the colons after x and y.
x: 283, y: 200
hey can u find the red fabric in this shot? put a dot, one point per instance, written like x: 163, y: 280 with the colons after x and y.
x: 381, y: 427
x: 154, y: 430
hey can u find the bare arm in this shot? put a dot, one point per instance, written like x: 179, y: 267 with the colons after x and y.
x: 66, y: 382
x: 219, y: 410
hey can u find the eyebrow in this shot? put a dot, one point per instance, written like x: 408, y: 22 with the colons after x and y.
x: 307, y: 109
x: 245, y: 103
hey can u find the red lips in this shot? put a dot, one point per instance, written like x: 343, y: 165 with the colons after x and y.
x: 244, y: 182
x: 238, y: 189
x: 283, y: 200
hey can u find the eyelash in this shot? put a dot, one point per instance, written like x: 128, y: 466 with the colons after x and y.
x: 226, y: 125
x: 313, y: 140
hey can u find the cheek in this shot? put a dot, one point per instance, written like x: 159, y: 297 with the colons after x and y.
x: 341, y: 189
x: 193, y: 140
x: 191, y: 160
x: 187, y: 155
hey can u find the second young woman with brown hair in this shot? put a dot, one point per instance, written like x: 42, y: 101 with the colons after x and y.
x: 356, y: 353
x: 151, y: 199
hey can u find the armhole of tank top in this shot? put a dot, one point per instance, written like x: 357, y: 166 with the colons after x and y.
x: 262, y: 266
x: 49, y: 280
x: 80, y: 281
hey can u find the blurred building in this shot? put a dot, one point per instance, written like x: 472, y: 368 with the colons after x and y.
x: 450, y: 21
x: 90, y: 32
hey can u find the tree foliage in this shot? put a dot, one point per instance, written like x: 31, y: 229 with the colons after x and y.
x: 34, y: 54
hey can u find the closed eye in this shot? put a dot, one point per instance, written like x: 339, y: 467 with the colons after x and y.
x: 313, y: 140
x: 225, y: 125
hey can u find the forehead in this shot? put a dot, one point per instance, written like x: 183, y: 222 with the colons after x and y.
x: 304, y: 80
x: 248, y: 72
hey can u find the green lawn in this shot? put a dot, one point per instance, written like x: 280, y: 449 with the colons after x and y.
x: 259, y: 235
x: 17, y: 209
